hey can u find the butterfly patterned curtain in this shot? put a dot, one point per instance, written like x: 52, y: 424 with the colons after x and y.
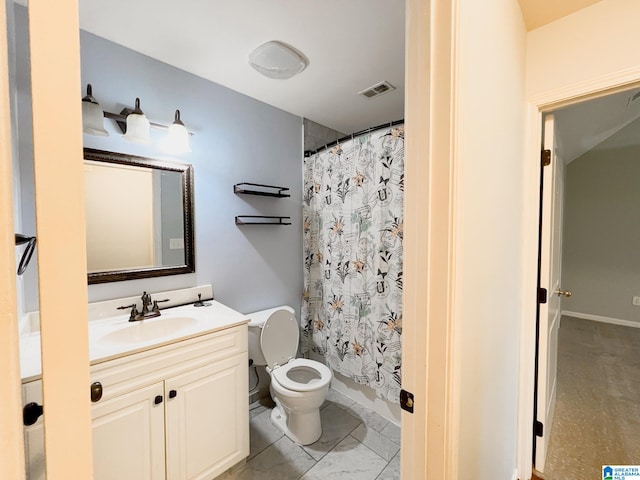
x: 353, y: 229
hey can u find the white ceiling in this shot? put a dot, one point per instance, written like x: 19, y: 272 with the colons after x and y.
x: 351, y: 45
x: 583, y: 126
x: 537, y: 13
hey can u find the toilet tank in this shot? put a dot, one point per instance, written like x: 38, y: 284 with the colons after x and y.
x: 256, y: 321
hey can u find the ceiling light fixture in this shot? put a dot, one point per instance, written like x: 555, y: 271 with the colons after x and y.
x: 277, y: 60
x: 133, y: 123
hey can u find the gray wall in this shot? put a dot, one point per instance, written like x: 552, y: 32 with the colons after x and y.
x: 236, y: 139
x: 601, y: 249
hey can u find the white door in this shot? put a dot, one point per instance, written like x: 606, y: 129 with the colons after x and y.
x: 207, y: 425
x: 128, y: 436
x: 550, y: 271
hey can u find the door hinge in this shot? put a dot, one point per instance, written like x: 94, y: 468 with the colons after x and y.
x: 538, y: 428
x: 542, y: 295
x: 545, y: 157
x: 406, y: 400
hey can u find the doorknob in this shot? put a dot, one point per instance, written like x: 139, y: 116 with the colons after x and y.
x: 31, y: 412
x: 563, y: 293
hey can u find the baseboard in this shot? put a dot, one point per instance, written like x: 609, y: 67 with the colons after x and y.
x: 600, y: 318
x: 535, y: 475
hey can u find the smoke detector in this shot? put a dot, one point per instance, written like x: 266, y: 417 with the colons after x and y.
x: 378, y: 89
x: 633, y: 98
x: 277, y: 60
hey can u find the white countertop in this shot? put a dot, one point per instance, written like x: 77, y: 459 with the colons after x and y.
x: 115, y: 336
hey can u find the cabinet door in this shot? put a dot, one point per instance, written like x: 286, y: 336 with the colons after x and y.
x: 128, y: 436
x: 207, y: 421
x: 34, y: 434
x: 34, y: 450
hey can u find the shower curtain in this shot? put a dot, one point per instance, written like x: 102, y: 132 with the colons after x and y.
x: 353, y: 229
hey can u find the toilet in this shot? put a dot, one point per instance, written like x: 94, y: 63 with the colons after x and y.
x: 298, y: 386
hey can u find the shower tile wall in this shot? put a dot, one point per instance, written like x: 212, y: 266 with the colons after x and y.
x: 317, y: 136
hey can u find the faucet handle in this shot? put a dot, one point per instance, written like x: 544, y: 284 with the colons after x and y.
x: 134, y: 310
x: 155, y: 304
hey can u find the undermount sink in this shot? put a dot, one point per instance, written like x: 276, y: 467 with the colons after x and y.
x: 151, y: 329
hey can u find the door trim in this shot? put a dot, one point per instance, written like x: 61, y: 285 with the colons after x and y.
x: 430, y: 359
x: 537, y: 105
x: 12, y: 465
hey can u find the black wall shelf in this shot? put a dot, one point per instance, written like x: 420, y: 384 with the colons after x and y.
x: 260, y: 189
x: 262, y: 220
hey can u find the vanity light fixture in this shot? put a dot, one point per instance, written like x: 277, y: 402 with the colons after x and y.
x: 134, y: 124
x: 92, y: 116
x: 178, y: 137
x: 137, y: 126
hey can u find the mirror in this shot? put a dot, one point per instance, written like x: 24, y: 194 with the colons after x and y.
x: 139, y: 217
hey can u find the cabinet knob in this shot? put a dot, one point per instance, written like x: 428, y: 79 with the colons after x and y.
x: 96, y: 392
x: 31, y: 412
x: 172, y: 394
x: 158, y: 399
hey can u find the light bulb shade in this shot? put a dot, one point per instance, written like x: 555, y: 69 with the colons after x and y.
x: 138, y: 126
x: 93, y: 119
x: 177, y: 140
x: 92, y: 115
x: 277, y: 60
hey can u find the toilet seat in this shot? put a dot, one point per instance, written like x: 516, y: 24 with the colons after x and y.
x: 281, y: 375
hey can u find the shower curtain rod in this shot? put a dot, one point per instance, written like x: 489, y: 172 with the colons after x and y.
x: 308, y: 153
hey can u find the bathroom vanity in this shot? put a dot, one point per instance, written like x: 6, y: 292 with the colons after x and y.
x: 169, y: 396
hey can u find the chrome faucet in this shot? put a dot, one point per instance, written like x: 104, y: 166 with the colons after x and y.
x: 145, y: 313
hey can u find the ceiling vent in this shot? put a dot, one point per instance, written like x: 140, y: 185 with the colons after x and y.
x: 378, y: 89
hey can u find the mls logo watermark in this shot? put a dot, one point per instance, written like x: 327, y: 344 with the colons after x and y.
x: 621, y: 472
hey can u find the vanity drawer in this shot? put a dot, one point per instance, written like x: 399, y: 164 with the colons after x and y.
x: 126, y: 373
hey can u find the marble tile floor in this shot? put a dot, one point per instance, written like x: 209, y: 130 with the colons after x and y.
x: 356, y: 443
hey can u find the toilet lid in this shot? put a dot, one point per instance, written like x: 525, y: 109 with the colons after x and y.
x: 279, y: 338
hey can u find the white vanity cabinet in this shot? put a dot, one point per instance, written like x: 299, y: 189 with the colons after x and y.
x: 207, y: 419
x: 176, y: 412
x: 128, y: 436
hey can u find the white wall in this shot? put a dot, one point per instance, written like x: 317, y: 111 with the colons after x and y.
x: 593, y: 42
x: 601, y: 265
x: 490, y: 119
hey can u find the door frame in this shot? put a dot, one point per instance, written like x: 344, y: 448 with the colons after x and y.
x: 12, y: 465
x: 430, y: 359
x: 60, y: 227
x: 537, y: 106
